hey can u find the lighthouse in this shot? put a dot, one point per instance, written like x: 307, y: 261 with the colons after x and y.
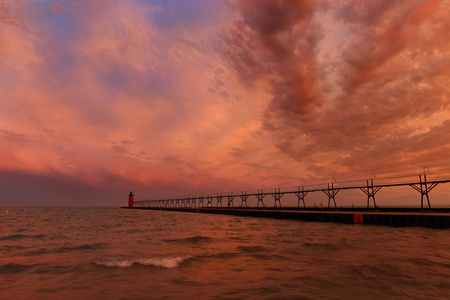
x: 130, y: 199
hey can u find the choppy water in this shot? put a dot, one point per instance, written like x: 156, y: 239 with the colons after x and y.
x: 112, y: 253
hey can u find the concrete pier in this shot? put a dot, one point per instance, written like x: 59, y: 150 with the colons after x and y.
x: 396, y: 217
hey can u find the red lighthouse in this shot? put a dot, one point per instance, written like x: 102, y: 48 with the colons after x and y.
x: 130, y: 199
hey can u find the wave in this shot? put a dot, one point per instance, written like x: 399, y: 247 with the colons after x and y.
x: 164, y: 262
x: 222, y: 255
x: 13, y: 268
x: 10, y: 248
x: 40, y: 251
x: 43, y: 251
x: 320, y: 246
x: 262, y: 256
x: 82, y: 247
x: 252, y: 249
x: 431, y: 261
x: 190, y: 240
x: 55, y: 270
x: 15, y: 237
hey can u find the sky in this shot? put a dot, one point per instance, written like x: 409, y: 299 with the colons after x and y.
x: 171, y: 98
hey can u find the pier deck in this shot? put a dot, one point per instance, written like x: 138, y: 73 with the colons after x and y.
x: 397, y: 217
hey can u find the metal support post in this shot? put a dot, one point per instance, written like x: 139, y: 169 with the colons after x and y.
x: 244, y: 198
x: 200, y: 201
x: 277, y: 196
x: 230, y: 198
x: 260, y: 196
x: 370, y: 191
x: 219, y: 199
x: 331, y: 193
x: 424, y: 189
x: 301, y: 194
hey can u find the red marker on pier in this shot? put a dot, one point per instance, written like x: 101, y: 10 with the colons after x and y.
x: 130, y: 199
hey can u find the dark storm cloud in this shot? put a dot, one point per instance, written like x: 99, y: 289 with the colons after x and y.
x: 363, y: 104
x: 275, y: 41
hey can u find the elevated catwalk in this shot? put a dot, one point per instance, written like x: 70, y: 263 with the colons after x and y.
x: 370, y: 189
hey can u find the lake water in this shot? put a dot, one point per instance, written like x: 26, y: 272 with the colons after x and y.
x: 113, y: 253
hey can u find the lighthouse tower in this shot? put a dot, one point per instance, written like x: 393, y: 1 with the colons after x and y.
x: 130, y: 199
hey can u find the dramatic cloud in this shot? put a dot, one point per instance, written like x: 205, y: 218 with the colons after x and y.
x: 356, y: 87
x: 276, y: 41
x: 168, y: 98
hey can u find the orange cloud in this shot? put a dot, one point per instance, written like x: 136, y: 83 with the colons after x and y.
x: 371, y: 71
x: 188, y: 98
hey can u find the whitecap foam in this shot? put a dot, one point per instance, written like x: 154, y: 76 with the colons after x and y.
x: 121, y: 263
x: 164, y: 262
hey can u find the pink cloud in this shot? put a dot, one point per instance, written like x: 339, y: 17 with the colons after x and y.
x: 136, y: 96
x: 58, y: 8
x: 122, y: 100
x: 382, y: 77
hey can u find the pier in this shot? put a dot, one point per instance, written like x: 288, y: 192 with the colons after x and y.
x: 438, y: 218
x: 370, y: 215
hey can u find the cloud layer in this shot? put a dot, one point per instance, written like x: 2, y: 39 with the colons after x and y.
x: 202, y: 96
x: 354, y: 88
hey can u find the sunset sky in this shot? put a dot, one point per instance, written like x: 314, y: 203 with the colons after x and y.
x: 169, y: 98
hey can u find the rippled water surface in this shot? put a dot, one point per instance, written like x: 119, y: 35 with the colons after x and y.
x: 113, y: 253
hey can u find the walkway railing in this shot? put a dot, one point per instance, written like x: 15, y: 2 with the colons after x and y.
x: 370, y: 189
